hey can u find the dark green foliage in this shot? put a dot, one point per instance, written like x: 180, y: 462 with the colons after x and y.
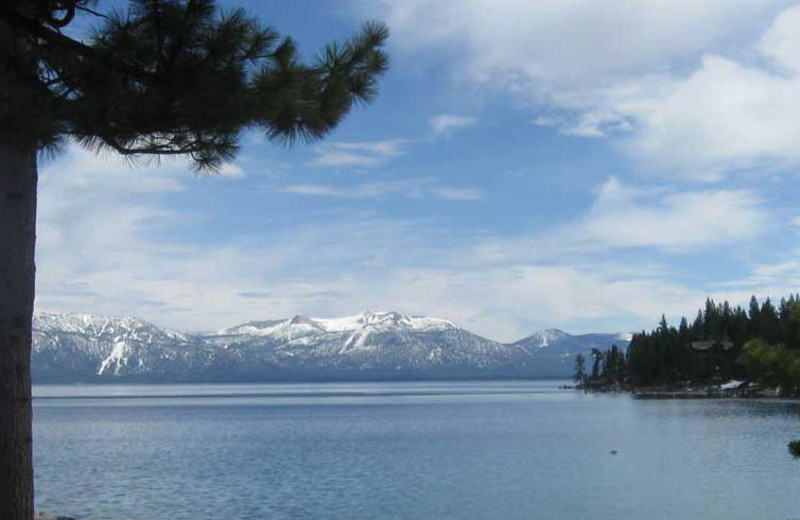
x: 773, y: 365
x: 761, y: 344
x: 597, y: 359
x: 794, y: 449
x: 615, y: 367
x: 609, y: 368
x: 580, y: 369
x: 172, y: 77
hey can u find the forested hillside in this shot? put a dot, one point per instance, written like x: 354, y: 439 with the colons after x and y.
x: 760, y: 344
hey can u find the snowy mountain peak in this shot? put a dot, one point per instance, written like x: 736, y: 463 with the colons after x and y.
x: 384, y: 320
x: 369, y: 345
x: 625, y: 336
x: 303, y: 320
x: 564, y: 342
x: 117, y: 345
x: 102, y: 326
x: 373, y: 317
x: 546, y: 338
x: 301, y: 325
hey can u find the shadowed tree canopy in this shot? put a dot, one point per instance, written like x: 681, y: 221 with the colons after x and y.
x: 164, y: 77
x: 172, y: 77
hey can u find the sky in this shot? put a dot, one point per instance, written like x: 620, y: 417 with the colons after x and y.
x: 576, y: 164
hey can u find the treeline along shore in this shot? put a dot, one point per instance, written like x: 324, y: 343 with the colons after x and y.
x: 725, y: 351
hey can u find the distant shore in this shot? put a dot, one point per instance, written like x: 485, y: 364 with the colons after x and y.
x: 684, y: 390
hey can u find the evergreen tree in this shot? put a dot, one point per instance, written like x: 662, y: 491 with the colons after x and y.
x: 663, y: 327
x: 711, y: 320
x: 614, y: 367
x: 754, y: 314
x: 792, y: 325
x: 769, y: 323
x: 580, y: 368
x: 597, y: 359
x: 683, y: 329
x: 666, y: 354
x: 697, y: 326
x: 165, y: 78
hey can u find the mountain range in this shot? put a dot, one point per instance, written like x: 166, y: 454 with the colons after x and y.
x: 369, y: 346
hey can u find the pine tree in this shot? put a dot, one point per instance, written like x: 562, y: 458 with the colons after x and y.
x: 683, y: 329
x: 665, y: 354
x: 711, y: 321
x: 580, y: 369
x: 165, y: 78
x: 769, y: 323
x: 597, y: 359
x: 698, y: 326
x: 754, y: 314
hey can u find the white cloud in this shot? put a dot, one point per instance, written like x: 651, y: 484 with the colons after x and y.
x: 622, y: 217
x: 694, y: 88
x: 319, y: 190
x: 509, y: 302
x: 465, y: 194
x: 672, y: 220
x: 774, y: 280
x: 446, y: 124
x: 781, y: 42
x: 100, y: 251
x: 785, y: 274
x: 725, y: 116
x: 408, y: 188
x: 359, y: 153
x: 569, y: 41
x: 231, y: 171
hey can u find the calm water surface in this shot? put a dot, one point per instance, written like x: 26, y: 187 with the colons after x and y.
x: 450, y: 451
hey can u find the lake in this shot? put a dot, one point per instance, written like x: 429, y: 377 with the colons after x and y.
x: 380, y: 451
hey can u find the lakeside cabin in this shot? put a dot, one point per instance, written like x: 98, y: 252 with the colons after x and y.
x: 736, y: 389
x: 708, y: 346
x: 714, y: 353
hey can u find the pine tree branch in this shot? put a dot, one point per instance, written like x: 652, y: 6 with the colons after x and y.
x: 57, y: 39
x: 93, y: 12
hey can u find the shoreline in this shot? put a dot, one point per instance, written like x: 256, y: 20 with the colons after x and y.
x: 686, y: 391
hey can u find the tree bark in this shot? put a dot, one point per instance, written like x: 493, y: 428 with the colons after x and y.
x: 18, y: 182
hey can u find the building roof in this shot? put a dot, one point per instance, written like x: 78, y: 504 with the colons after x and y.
x: 732, y: 385
x: 712, y: 344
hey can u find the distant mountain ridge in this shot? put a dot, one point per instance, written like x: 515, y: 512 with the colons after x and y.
x: 554, y: 350
x: 371, y: 345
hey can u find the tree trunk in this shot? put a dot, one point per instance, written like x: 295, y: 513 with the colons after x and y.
x: 18, y: 179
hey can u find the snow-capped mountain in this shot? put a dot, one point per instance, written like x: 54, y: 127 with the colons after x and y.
x: 366, y: 322
x: 544, y: 338
x: 371, y: 345
x: 79, y: 347
x: 553, y: 351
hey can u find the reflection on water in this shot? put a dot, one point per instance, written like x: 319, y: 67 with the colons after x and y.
x: 464, y: 450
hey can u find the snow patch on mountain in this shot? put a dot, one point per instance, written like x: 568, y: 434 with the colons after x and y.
x: 97, y: 326
x: 546, y: 338
x: 300, y: 326
x: 115, y: 361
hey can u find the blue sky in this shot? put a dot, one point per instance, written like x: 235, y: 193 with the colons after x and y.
x: 530, y: 163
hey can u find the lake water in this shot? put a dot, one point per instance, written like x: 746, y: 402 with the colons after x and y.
x: 460, y: 451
